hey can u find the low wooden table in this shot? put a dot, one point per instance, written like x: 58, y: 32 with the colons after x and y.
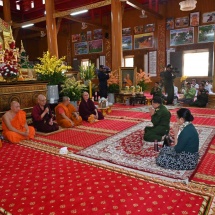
x: 137, y: 99
x: 105, y: 110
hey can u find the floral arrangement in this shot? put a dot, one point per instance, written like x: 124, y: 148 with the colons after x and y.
x: 73, y: 89
x: 183, y: 78
x: 143, y: 80
x: 51, y: 69
x: 87, y: 72
x: 9, y: 71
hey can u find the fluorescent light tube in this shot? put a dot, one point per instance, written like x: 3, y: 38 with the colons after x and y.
x: 78, y: 12
x: 28, y: 25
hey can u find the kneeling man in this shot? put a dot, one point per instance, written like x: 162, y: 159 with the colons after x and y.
x: 14, y: 125
x: 160, y: 118
x: 42, y: 116
x: 66, y: 114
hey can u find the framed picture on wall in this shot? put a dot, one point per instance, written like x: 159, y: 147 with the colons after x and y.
x: 75, y: 38
x: 206, y: 33
x: 126, y: 43
x: 138, y: 29
x: 81, y: 48
x: 183, y: 36
x: 89, y: 35
x: 182, y: 22
x: 149, y: 28
x: 194, y: 19
x: 143, y: 41
x: 208, y: 17
x: 97, y: 34
x: 95, y: 46
x: 170, y: 23
x: 127, y: 77
x: 126, y: 31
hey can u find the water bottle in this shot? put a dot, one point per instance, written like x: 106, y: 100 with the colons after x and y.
x: 175, y: 101
x: 156, y: 146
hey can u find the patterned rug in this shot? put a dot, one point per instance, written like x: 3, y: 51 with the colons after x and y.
x: 36, y: 182
x: 146, y: 108
x: 127, y: 149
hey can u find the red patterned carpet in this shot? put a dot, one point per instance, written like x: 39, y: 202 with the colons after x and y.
x: 35, y: 182
x: 128, y: 149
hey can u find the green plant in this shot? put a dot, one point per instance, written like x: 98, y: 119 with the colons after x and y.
x: 143, y: 85
x: 73, y: 89
x: 87, y: 72
x: 113, y: 88
x: 51, y: 69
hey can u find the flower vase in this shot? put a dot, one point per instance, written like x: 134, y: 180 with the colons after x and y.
x: 53, y: 94
x: 10, y: 79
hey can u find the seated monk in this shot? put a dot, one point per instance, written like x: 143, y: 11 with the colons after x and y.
x: 14, y: 124
x: 127, y: 81
x: 87, y: 109
x: 42, y: 116
x: 66, y: 114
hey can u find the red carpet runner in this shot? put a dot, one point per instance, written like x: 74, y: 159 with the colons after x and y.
x: 35, y: 182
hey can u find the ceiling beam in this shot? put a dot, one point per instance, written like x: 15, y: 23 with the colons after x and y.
x: 135, y: 4
x: 34, y: 21
x: 88, y: 23
x: 86, y: 7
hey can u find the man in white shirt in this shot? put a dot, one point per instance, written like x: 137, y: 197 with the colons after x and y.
x: 195, y: 85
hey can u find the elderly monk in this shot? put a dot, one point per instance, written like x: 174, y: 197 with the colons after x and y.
x: 66, y: 114
x: 42, y: 116
x: 88, y: 109
x: 14, y: 124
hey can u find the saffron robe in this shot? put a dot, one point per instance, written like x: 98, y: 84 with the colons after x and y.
x: 17, y: 122
x: 68, y: 110
x: 43, y: 124
x: 88, y: 108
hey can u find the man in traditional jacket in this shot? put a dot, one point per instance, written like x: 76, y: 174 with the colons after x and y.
x: 160, y: 118
x: 66, y: 114
x: 42, y: 116
x: 202, y: 97
x: 14, y: 125
x: 88, y: 110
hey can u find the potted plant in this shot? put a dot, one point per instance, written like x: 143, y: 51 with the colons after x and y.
x: 112, y: 89
x: 73, y: 89
x: 51, y: 69
x: 142, y: 80
x: 87, y: 73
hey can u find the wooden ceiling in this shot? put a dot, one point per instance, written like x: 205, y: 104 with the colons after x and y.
x: 27, y: 13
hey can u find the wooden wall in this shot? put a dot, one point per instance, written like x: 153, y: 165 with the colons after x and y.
x: 36, y: 46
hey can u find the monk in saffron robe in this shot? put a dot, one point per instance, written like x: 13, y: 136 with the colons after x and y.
x: 87, y: 108
x: 14, y: 125
x: 127, y: 81
x: 66, y: 114
x: 42, y: 116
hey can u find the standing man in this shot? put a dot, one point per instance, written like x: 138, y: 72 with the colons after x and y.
x: 168, y: 78
x: 160, y: 118
x: 14, y: 124
x: 42, y: 116
x: 103, y: 77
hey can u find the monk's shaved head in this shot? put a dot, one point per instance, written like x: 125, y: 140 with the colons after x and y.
x: 14, y: 106
x: 66, y: 98
x: 41, y: 97
x: 14, y: 103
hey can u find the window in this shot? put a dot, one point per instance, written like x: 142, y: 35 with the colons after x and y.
x: 129, y: 61
x: 85, y: 62
x: 196, y: 63
x: 1, y: 2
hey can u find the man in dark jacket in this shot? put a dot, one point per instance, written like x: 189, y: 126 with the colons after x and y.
x: 103, y: 76
x: 160, y: 118
x: 202, y: 97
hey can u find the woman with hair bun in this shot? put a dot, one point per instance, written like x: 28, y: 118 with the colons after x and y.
x: 184, y: 155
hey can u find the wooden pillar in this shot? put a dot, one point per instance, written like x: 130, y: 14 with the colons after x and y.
x: 211, y: 97
x: 51, y: 29
x: 116, y: 33
x: 6, y: 11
